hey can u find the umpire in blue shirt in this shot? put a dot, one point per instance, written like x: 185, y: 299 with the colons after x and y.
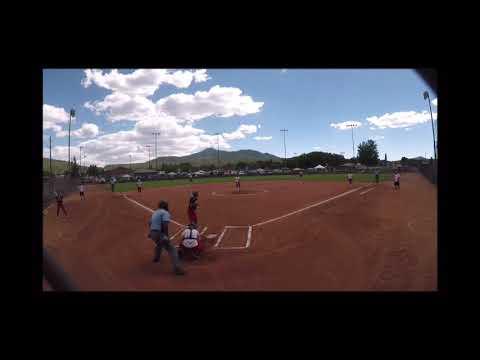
x: 159, y: 234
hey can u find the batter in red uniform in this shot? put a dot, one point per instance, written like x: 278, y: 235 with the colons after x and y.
x: 192, y: 208
x: 59, y: 198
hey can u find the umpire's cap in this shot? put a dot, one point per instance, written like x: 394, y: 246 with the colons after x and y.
x: 163, y: 205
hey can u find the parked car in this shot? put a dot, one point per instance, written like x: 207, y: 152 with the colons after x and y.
x: 241, y: 173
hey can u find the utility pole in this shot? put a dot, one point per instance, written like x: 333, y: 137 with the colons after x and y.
x: 149, y: 164
x: 353, y: 142
x: 427, y: 96
x: 72, y: 114
x: 80, y: 169
x: 130, y: 162
x: 218, y: 150
x: 155, y: 135
x: 284, y: 145
x: 50, y: 142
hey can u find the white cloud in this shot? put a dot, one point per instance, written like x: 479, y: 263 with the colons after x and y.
x: 400, y: 119
x: 142, y: 82
x: 173, y: 116
x: 87, y: 130
x: 345, y: 125
x: 119, y: 106
x: 372, y: 128
x: 54, y: 117
x: 377, y: 137
x: 263, y: 138
x: 408, y: 129
x: 218, y: 101
x: 435, y: 102
x: 241, y: 132
x: 284, y: 71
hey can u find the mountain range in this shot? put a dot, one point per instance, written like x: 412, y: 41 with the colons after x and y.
x: 205, y: 157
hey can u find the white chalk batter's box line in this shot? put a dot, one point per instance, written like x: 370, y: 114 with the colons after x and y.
x: 225, y: 229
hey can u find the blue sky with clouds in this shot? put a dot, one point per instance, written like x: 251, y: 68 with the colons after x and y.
x: 117, y: 111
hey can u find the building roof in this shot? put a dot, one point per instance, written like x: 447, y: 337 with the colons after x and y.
x: 138, y: 172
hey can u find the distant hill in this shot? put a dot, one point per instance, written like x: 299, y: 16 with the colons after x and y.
x: 204, y: 158
x: 58, y: 166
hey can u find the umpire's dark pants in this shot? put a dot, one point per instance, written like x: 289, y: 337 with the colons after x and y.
x: 162, y: 241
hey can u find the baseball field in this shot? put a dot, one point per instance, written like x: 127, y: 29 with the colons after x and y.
x: 277, y: 234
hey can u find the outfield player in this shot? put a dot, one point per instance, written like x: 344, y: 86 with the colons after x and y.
x: 59, y: 199
x: 396, y: 180
x: 158, y: 225
x: 237, y: 182
x: 82, y: 191
x: 350, y: 178
x: 191, y: 245
x: 377, y: 176
x: 192, y: 208
x: 190, y: 176
x: 139, y: 185
x: 112, y: 183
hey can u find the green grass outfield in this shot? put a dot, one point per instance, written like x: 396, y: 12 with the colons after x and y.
x: 130, y: 186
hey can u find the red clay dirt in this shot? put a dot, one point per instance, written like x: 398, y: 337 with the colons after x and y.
x: 379, y: 240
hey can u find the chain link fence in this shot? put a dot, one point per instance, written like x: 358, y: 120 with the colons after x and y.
x: 65, y: 184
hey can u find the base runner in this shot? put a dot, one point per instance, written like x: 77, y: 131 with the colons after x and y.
x: 350, y: 178
x: 139, y: 185
x: 82, y: 191
x: 396, y: 180
x: 59, y: 198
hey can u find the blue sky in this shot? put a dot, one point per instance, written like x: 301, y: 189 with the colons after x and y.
x: 116, y: 111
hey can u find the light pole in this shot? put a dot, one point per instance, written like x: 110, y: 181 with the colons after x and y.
x: 218, y: 150
x: 156, y: 134
x: 148, y: 147
x: 80, y: 170
x: 50, y: 156
x: 284, y: 145
x: 295, y: 154
x: 353, y: 142
x: 72, y: 114
x: 130, y: 162
x: 426, y: 96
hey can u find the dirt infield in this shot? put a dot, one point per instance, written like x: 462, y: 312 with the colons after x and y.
x: 300, y: 236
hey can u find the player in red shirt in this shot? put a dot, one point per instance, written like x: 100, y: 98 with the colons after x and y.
x: 59, y: 198
x: 192, y: 208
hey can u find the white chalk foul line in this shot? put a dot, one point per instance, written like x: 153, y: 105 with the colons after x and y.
x: 309, y: 207
x: 367, y: 191
x: 203, y: 231
x: 148, y: 209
